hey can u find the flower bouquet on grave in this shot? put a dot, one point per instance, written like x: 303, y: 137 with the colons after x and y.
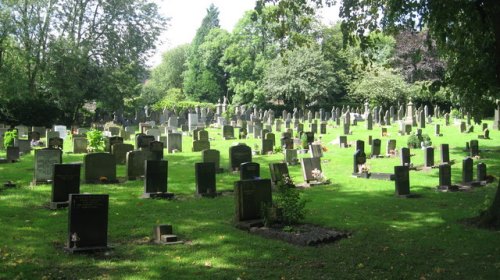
x: 364, y: 168
x: 103, y: 179
x: 318, y: 176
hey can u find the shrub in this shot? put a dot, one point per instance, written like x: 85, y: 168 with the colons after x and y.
x: 287, y: 197
x: 9, y: 137
x: 96, y: 140
x: 414, y: 141
x: 455, y: 114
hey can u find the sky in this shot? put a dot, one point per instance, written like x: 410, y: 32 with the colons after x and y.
x: 186, y: 16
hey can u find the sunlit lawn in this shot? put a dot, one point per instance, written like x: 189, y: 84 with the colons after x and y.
x: 419, y: 238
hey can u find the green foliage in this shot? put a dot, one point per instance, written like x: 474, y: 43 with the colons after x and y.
x: 455, y: 113
x: 288, y: 198
x: 8, y: 138
x: 304, y: 142
x: 381, y: 87
x: 414, y: 141
x: 42, y: 112
x: 180, y: 106
x: 95, y: 140
x: 300, y: 77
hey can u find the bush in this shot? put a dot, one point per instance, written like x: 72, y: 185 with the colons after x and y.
x: 455, y: 114
x: 414, y: 141
x: 9, y: 137
x: 287, y: 197
x: 96, y: 141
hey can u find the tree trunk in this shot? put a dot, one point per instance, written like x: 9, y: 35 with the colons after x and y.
x: 491, y: 217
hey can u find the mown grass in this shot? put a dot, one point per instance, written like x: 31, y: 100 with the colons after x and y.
x: 419, y: 238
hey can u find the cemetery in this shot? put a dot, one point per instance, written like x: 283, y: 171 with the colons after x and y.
x: 315, y: 139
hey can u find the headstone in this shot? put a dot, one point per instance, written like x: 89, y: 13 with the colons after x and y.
x: 249, y: 171
x: 55, y: 143
x: 486, y: 133
x: 156, y: 147
x: 291, y: 157
x: 24, y: 146
x: 44, y: 164
x: 99, y: 168
x: 369, y: 121
x: 213, y: 156
x: 87, y: 222
x: 61, y: 130
x: 156, y: 179
x: 228, y: 132
x: 174, y: 142
x: 205, y: 178
x: 239, y: 154
x: 250, y: 196
x: 267, y: 146
x: 113, y: 140
x: 315, y: 150
x: 360, y: 145
x: 343, y: 141
x: 66, y: 181
x: 322, y: 128
x: 347, y: 129
x: 359, y: 161
x: 142, y: 141
x: 79, y: 145
x: 467, y: 170
x: 277, y: 171
x: 203, y: 135
x: 376, y: 144
x: 429, y: 157
x: 120, y: 150
x: 405, y: 156
x: 12, y: 154
x: 444, y: 176
x: 481, y: 172
x: 34, y: 135
x: 192, y: 121
x: 437, y: 130
x: 445, y: 153
x: 200, y: 145
x: 474, y: 148
x: 402, y: 180
x: 136, y: 163
x: 308, y: 165
x: 391, y: 147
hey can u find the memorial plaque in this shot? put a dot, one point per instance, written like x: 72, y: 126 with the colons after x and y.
x: 87, y: 222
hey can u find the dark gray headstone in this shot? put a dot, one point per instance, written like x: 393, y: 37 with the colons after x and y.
x: 55, y: 143
x: 12, y: 154
x: 156, y: 179
x: 88, y: 222
x: 481, y: 171
x: 249, y: 170
x: 136, y: 161
x: 445, y: 153
x: 99, y: 168
x: 405, y: 157
x: 467, y: 170
x: 267, y: 146
x: 120, y: 150
x: 359, y: 160
x: 360, y: 145
x: 402, y: 180
x: 174, y: 142
x: 228, y: 132
x: 250, y: 196
x: 429, y: 157
x: 239, y: 154
x: 474, y: 148
x: 200, y: 145
x: 205, y: 178
x: 213, y: 156
x: 142, y: 141
x: 156, y: 147
x: 278, y: 170
x: 444, y: 175
x: 376, y: 143
x: 79, y: 145
x: 66, y: 181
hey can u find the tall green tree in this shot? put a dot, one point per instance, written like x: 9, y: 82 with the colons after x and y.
x: 194, y: 77
x: 300, y: 77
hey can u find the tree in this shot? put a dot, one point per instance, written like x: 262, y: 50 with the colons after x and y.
x: 193, y: 76
x: 300, y: 76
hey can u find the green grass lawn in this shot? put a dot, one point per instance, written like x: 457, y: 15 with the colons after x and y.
x: 392, y: 238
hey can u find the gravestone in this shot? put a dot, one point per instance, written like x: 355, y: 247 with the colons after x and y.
x: 66, y: 181
x: 445, y: 153
x: 249, y: 171
x: 272, y: 137
x: 360, y: 145
x: 200, y: 145
x: 34, y: 135
x: 462, y: 127
x: 12, y: 154
x: 24, y: 146
x: 322, y: 128
x: 346, y: 129
x: 308, y: 165
x: 486, y: 133
x: 239, y: 154
x: 405, y: 157
x: 114, y: 130
x: 120, y: 150
x: 205, y: 178
x: 437, y: 130
x: 383, y: 132
x: 80, y: 145
x: 61, y: 130
x: 87, y: 222
x: 113, y: 140
x: 51, y: 134
x: 429, y: 157
x: 391, y: 147
x: 359, y: 161
x: 156, y: 147
x: 44, y: 164
x: 267, y: 146
x: 55, y: 143
x: 213, y: 156
x: 369, y: 122
x: 376, y: 143
x: 315, y: 150
x: 203, y: 135
x: 343, y: 141
x: 136, y: 163
x: 291, y: 157
x: 228, y: 132
x: 174, y: 142
x: 467, y: 170
x: 156, y: 179
x: 99, y: 168
x: 155, y: 132
x: 250, y: 196
x: 474, y: 148
x: 444, y: 176
x: 481, y: 172
x: 142, y: 141
x: 278, y: 171
x: 402, y: 180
